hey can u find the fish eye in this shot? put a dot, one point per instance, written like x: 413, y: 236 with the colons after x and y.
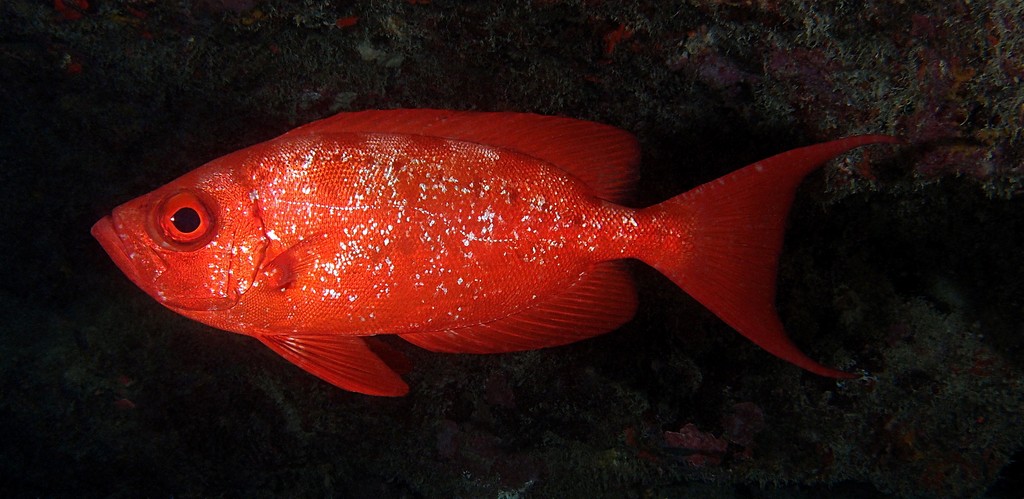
x: 184, y: 220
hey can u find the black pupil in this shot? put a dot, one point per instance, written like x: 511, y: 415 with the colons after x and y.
x: 186, y: 220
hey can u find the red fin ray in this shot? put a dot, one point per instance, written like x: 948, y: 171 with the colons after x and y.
x: 605, y: 158
x: 729, y: 236
x: 600, y: 301
x: 343, y: 361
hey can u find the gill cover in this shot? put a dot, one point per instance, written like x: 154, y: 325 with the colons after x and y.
x: 194, y: 244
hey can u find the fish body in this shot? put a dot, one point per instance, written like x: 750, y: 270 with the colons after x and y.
x: 458, y: 231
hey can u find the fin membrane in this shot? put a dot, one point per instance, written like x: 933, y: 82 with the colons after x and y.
x: 605, y: 158
x: 723, y: 241
x: 601, y: 300
x: 343, y: 361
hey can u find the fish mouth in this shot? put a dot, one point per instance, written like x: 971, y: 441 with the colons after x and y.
x: 105, y: 232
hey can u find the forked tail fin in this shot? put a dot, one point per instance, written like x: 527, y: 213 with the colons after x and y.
x: 721, y: 241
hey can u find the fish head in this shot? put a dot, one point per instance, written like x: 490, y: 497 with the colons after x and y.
x: 194, y: 244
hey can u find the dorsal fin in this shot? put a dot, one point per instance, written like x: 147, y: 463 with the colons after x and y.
x: 600, y: 301
x: 605, y: 158
x: 343, y: 361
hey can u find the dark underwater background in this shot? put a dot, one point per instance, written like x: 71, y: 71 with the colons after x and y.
x: 905, y: 262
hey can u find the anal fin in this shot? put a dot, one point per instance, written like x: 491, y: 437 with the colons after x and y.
x: 601, y: 300
x: 343, y: 361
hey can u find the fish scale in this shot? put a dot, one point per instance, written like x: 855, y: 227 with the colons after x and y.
x: 459, y: 232
x: 436, y: 220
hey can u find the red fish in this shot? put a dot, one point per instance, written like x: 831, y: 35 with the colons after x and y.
x: 457, y: 231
